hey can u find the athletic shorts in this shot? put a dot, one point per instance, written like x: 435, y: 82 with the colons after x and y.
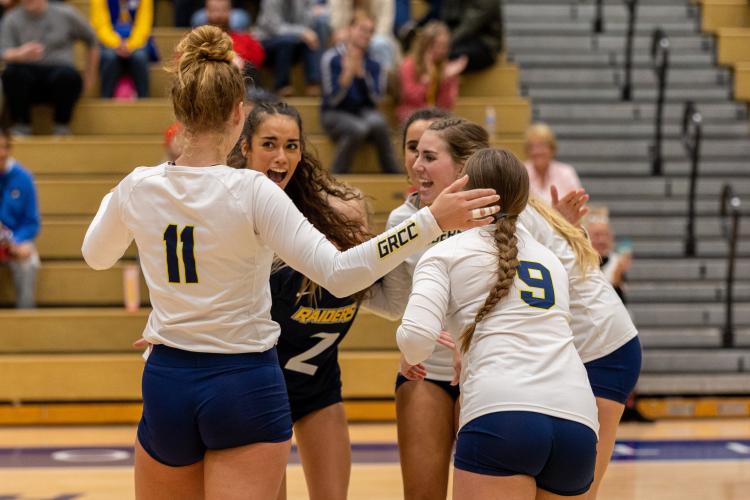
x: 559, y: 454
x: 452, y: 390
x: 304, y: 404
x: 614, y: 376
x: 193, y: 402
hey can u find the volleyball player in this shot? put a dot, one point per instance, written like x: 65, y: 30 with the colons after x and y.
x: 414, y: 127
x: 427, y: 410
x: 528, y: 418
x: 216, y: 417
x: 605, y: 336
x: 313, y: 322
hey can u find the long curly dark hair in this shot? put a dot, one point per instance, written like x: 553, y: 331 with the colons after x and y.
x: 311, y: 186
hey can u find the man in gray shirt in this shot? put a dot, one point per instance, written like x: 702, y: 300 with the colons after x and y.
x: 36, y: 43
x: 291, y: 30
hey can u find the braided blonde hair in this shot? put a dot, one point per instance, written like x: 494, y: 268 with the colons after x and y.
x: 586, y: 257
x: 500, y: 170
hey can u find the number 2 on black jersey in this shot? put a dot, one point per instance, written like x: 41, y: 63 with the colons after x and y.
x: 299, y: 362
x: 188, y: 255
x: 536, y: 276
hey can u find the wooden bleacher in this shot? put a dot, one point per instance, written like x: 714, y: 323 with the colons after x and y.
x: 729, y: 21
x: 71, y: 360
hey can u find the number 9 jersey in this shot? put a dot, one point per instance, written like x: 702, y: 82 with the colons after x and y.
x: 522, y: 356
x: 313, y: 324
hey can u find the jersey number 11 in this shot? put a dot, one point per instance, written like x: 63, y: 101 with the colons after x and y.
x: 188, y: 255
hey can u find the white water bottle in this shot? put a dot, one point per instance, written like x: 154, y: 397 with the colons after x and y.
x: 490, y: 120
x: 131, y: 287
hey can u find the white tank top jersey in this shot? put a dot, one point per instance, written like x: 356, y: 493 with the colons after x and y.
x: 389, y: 296
x: 522, y: 356
x: 599, y: 320
x: 206, y: 238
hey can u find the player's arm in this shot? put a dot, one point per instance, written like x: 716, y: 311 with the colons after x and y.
x: 425, y: 313
x: 284, y: 229
x: 107, y: 237
x: 387, y: 298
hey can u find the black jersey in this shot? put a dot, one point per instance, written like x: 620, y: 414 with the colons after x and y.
x: 311, y: 330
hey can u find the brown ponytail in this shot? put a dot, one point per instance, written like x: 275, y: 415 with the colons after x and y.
x: 501, y: 170
x: 463, y: 137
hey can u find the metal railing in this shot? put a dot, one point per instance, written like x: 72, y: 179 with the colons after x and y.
x: 729, y: 207
x: 692, y: 132
x: 627, y: 88
x: 660, y: 62
x: 597, y: 26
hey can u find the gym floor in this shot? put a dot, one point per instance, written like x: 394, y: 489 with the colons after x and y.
x: 667, y: 460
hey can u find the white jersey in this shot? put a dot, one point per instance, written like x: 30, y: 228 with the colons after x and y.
x: 522, y: 356
x: 389, y: 296
x: 600, y: 322
x: 206, y: 237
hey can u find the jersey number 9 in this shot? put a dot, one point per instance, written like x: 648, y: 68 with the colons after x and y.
x: 537, y: 277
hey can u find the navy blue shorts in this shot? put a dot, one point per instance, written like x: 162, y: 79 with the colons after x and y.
x: 560, y: 454
x: 303, y: 405
x: 452, y: 390
x: 614, y: 376
x: 193, y: 402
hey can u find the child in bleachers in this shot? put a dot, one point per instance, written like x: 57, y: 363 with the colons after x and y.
x: 124, y: 32
x: 19, y: 224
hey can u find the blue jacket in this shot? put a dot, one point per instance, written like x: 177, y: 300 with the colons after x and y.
x: 363, y: 93
x: 19, y: 210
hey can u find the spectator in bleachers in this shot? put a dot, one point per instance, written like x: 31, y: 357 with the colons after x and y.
x: 353, y: 83
x: 124, y: 32
x: 6, y: 5
x: 287, y: 31
x: 19, y: 224
x: 405, y: 27
x: 238, y: 20
x: 36, y: 43
x: 248, y: 49
x: 615, y: 261
x: 427, y: 77
x: 477, y: 30
x: 382, y: 44
x: 544, y: 171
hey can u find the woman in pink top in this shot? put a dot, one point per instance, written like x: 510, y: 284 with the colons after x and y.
x: 544, y: 170
x: 427, y: 77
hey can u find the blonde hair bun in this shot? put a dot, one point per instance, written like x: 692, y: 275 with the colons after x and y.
x: 206, y: 86
x: 206, y: 43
